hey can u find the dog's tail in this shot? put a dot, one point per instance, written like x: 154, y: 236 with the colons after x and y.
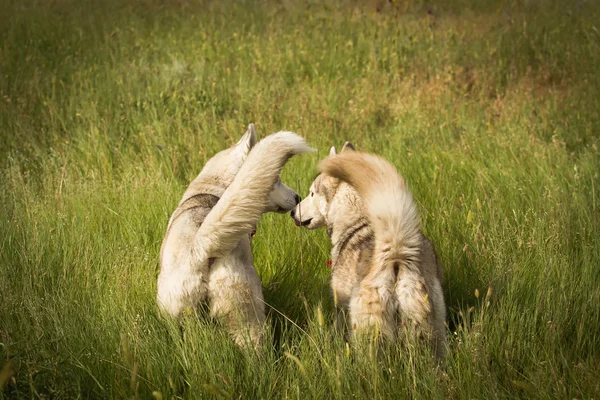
x: 390, y: 206
x: 242, y: 203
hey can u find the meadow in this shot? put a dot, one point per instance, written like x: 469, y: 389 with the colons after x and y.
x: 489, y: 109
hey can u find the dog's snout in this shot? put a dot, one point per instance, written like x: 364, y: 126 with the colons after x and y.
x: 293, y: 212
x: 298, y: 199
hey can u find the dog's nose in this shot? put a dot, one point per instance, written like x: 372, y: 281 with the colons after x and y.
x: 293, y: 212
x: 298, y: 198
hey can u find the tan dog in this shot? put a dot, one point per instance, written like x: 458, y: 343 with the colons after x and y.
x: 206, y: 254
x: 384, y: 270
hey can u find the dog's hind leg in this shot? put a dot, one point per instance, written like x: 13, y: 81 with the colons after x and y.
x: 439, y: 319
x: 180, y: 290
x: 372, y: 307
x: 235, y: 298
x: 416, y: 307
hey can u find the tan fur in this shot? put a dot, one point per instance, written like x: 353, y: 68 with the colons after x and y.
x: 397, y: 274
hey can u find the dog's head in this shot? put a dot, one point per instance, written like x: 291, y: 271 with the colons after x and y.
x: 222, y: 168
x: 313, y: 211
x: 282, y: 199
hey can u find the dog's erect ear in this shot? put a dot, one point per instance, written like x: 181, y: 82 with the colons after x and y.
x: 247, y: 141
x: 348, y: 146
x: 332, y: 151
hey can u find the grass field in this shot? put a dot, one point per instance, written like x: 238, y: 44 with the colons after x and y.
x: 491, y: 111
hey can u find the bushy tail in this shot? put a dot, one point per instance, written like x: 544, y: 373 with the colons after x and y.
x: 243, y: 202
x: 389, y: 203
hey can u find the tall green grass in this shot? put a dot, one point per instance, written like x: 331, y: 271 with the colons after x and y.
x: 490, y: 110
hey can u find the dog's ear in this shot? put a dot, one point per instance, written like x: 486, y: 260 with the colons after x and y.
x: 332, y: 151
x: 247, y: 142
x: 348, y: 146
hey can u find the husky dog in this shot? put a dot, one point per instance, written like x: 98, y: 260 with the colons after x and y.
x: 206, y: 254
x: 384, y: 270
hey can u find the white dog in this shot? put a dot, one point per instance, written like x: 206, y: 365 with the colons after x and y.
x: 384, y: 270
x: 206, y: 254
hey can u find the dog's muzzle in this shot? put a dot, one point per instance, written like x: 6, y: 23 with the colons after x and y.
x: 297, y: 222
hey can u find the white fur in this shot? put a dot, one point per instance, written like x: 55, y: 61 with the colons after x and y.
x: 214, y: 263
x: 246, y: 198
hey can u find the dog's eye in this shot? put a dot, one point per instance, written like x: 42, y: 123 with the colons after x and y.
x: 311, y: 194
